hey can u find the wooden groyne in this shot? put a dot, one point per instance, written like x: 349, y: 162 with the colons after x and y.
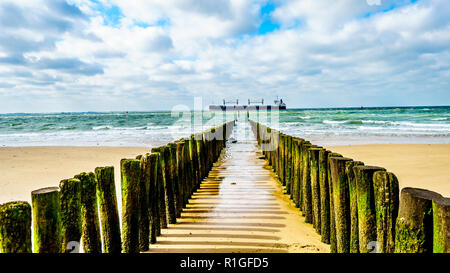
x: 355, y: 208
x: 155, y: 188
x: 239, y: 208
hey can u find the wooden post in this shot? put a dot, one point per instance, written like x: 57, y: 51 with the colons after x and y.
x: 160, y: 190
x: 181, y: 176
x: 414, y: 227
x: 89, y: 214
x: 354, y: 233
x: 175, y: 179
x: 315, y: 187
x: 130, y: 173
x: 168, y: 184
x: 144, y: 210
x: 324, y: 196
x: 441, y: 225
x: 341, y: 202
x: 70, y: 203
x: 15, y: 227
x: 366, y: 206
x: 306, y: 184
x: 109, y: 214
x: 155, y: 227
x: 296, y: 165
x: 288, y: 164
x: 386, y: 193
x: 333, y: 243
x: 46, y: 220
x: 188, y: 172
x: 281, y: 159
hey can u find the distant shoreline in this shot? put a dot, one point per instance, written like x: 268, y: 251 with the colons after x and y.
x: 166, y: 111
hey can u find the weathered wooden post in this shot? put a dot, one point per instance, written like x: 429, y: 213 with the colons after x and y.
x: 144, y: 207
x: 341, y: 202
x: 306, y: 184
x: 130, y: 173
x: 315, y: 187
x: 386, y: 193
x: 188, y: 172
x: 181, y: 176
x: 89, y: 213
x: 354, y: 231
x: 160, y: 189
x: 155, y: 227
x: 70, y: 203
x: 333, y: 243
x: 175, y: 179
x: 169, y: 184
x: 15, y: 227
x: 46, y: 220
x: 324, y: 196
x: 281, y: 166
x: 441, y: 225
x: 414, y: 227
x: 288, y: 149
x: 109, y: 214
x: 296, y: 169
x: 366, y: 206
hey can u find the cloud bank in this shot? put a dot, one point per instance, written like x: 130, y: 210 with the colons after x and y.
x: 105, y: 55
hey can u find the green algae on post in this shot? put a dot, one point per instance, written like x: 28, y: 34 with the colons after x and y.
x: 70, y: 202
x: 15, y: 227
x: 441, y: 225
x: 366, y: 206
x: 354, y: 233
x: 89, y: 212
x: 46, y: 220
x: 109, y: 214
x: 324, y: 196
x: 386, y: 193
x: 306, y: 184
x: 144, y: 211
x: 160, y: 190
x: 130, y: 173
x: 333, y: 246
x: 315, y: 188
x: 414, y: 227
x: 155, y: 228
x: 341, y: 202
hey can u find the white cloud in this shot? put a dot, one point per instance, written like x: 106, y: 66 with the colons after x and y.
x: 326, y: 53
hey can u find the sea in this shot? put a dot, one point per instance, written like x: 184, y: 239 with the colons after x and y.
x: 324, y: 126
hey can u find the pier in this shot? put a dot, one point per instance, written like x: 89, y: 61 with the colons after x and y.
x: 240, y: 207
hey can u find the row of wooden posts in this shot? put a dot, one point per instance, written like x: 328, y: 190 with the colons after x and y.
x: 355, y: 208
x: 155, y: 187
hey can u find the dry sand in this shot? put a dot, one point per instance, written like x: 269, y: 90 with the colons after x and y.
x: 424, y: 166
x: 24, y: 169
x: 221, y: 217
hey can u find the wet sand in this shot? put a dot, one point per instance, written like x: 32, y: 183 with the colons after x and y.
x: 240, y: 208
x: 424, y: 166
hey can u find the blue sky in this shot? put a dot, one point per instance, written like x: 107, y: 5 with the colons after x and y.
x: 106, y: 55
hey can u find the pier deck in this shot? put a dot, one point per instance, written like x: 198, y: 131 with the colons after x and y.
x: 240, y: 207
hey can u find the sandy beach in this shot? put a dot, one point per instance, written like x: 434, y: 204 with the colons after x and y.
x: 424, y: 166
x: 25, y: 169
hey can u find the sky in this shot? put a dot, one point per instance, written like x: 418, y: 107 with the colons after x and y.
x: 114, y: 55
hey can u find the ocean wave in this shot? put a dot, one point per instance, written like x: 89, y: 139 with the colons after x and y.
x: 326, y: 121
x: 439, y: 119
x: 102, y: 127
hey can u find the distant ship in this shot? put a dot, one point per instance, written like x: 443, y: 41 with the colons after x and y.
x: 258, y: 105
